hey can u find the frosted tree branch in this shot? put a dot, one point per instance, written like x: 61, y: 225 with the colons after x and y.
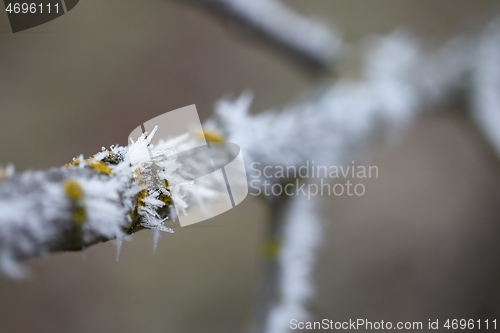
x: 339, y: 122
x: 70, y: 208
x: 99, y: 198
x: 307, y: 39
x: 290, y: 254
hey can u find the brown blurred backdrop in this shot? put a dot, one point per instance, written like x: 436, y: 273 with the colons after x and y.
x: 422, y: 243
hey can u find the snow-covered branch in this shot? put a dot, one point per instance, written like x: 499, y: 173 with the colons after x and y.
x: 308, y: 39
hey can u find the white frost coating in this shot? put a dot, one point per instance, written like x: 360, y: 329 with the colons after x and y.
x: 301, y: 238
x: 102, y: 213
x: 486, y: 83
x: 156, y: 238
x: 23, y: 221
x: 119, y: 244
x: 303, y: 34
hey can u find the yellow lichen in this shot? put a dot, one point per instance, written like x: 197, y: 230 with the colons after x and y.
x: 163, y: 197
x: 210, y: 136
x: 73, y: 190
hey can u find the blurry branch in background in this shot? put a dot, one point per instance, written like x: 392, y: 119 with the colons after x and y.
x: 307, y: 40
x: 289, y: 257
x: 399, y: 80
x: 486, y: 86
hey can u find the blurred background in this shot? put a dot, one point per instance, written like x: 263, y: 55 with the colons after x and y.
x: 422, y: 243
